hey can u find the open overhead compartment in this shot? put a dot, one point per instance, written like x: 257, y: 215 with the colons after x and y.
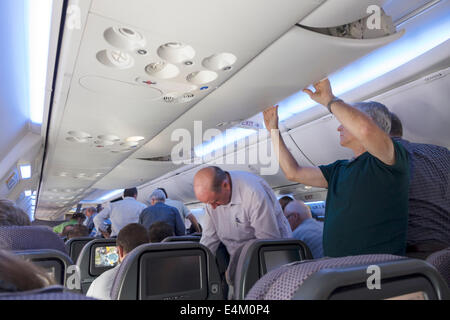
x: 319, y: 141
x: 334, y: 13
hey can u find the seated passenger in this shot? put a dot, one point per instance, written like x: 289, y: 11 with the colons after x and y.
x: 284, y: 201
x: 305, y: 227
x: 429, y: 195
x: 17, y: 274
x: 184, y: 212
x: 77, y: 231
x: 367, y: 201
x: 12, y: 215
x: 159, y: 211
x: 77, y: 218
x: 129, y: 237
x: 159, y: 231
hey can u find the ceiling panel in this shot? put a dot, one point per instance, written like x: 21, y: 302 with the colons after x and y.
x: 120, y: 88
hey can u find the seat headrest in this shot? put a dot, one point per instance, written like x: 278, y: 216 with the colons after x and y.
x: 30, y: 237
x: 283, y: 282
x: 48, y: 293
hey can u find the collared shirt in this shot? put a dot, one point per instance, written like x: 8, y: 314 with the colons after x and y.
x: 164, y: 213
x: 101, y: 287
x: 253, y: 213
x: 429, y: 193
x: 120, y: 213
x: 310, y: 232
x: 89, y: 223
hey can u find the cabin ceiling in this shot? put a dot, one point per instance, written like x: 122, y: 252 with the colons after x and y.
x: 109, y: 92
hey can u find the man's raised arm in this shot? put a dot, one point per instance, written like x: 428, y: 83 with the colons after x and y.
x: 311, y: 176
x: 374, y: 140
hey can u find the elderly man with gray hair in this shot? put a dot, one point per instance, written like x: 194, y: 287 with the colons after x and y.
x: 159, y: 211
x: 367, y: 201
x: 305, y: 227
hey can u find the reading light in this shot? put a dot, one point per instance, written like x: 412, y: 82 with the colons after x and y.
x: 40, y: 16
x: 25, y: 171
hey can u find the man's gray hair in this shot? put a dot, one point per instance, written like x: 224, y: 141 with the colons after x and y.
x: 377, y: 112
x: 158, y: 195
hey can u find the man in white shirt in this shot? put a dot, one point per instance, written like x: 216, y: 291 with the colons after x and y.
x: 130, y: 237
x: 183, y: 210
x: 240, y: 206
x: 120, y: 213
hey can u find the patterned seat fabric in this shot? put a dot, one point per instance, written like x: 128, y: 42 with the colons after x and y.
x: 282, y: 283
x: 48, y: 293
x: 17, y: 238
x: 441, y: 261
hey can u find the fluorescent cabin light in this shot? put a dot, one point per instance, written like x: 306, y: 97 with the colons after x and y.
x: 40, y: 15
x: 25, y: 171
x: 362, y: 71
x: 109, y: 195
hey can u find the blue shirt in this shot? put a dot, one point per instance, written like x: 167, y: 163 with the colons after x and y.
x: 162, y: 212
x: 310, y: 232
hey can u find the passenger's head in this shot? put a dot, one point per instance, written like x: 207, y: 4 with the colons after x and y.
x: 165, y: 193
x: 212, y: 186
x: 284, y: 201
x: 90, y: 211
x: 12, y: 215
x: 77, y: 231
x: 296, y: 212
x: 79, y: 217
x: 157, y: 196
x: 376, y: 111
x: 131, y: 236
x: 66, y: 230
x: 131, y: 192
x: 17, y: 274
x: 160, y: 230
x: 396, y: 126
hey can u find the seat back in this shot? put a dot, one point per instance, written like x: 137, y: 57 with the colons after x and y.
x: 29, y: 238
x: 441, y: 261
x: 364, y: 277
x: 54, y: 262
x: 75, y: 245
x: 182, y: 238
x: 48, y: 293
x: 174, y: 270
x: 96, y: 257
x: 257, y: 257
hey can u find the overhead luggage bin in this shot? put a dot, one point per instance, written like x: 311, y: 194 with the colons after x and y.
x: 334, y: 13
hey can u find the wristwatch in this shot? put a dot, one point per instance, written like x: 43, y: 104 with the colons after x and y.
x: 335, y: 99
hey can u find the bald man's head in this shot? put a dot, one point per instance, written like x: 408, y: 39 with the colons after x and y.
x: 296, y: 212
x: 212, y: 186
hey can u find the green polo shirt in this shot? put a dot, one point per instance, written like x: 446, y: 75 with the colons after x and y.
x: 60, y: 227
x: 367, y: 205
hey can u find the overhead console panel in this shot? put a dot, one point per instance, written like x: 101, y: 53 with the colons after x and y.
x: 297, y: 59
